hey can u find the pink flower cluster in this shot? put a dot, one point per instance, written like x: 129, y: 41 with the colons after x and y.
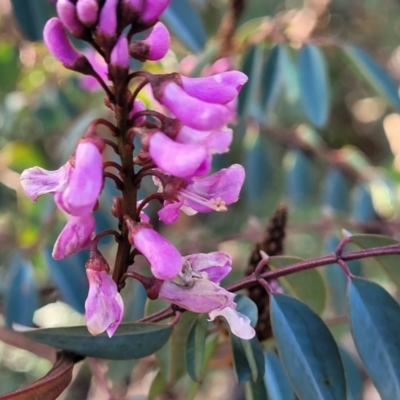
x: 177, y: 151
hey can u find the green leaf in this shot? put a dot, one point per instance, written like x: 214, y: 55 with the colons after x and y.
x: 183, y: 20
x: 374, y: 75
x: 389, y: 263
x: 171, y: 357
x: 247, y: 307
x: 158, y: 386
x: 256, y: 390
x: 132, y: 340
x: 21, y: 297
x: 195, y: 346
x: 353, y: 376
x: 32, y: 16
x: 375, y: 326
x: 336, y: 190
x: 248, y: 359
x: 308, y: 285
x: 363, y: 208
x: 313, y: 81
x: 249, y: 102
x: 273, y: 75
x: 307, y: 350
x: 277, y: 383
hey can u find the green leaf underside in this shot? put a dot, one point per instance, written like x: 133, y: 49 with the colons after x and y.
x: 195, y: 348
x: 132, y: 340
x: 308, y: 286
x: 375, y: 325
x: 307, y: 350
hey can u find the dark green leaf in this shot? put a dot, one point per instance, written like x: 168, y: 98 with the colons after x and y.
x: 256, y: 390
x: 195, y: 346
x: 273, y: 75
x: 336, y: 190
x: 307, y: 350
x: 130, y: 341
x: 314, y: 91
x: 32, y: 16
x: 353, y: 376
x: 307, y: 285
x: 183, y: 20
x: 373, y: 74
x: 70, y: 278
x: 249, y: 102
x: 276, y: 381
x: 22, y: 297
x: 389, y: 263
x: 375, y: 325
x: 247, y: 307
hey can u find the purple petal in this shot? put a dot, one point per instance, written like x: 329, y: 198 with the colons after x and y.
x: 37, y: 181
x: 193, y: 112
x: 56, y: 40
x: 170, y: 212
x: 85, y: 184
x: 104, y: 306
x: 239, y: 323
x: 158, y: 42
x: 217, y: 264
x: 107, y: 24
x: 164, y: 258
x: 75, y: 236
x: 220, y: 88
x: 215, y: 191
x: 203, y: 297
x: 187, y: 160
x: 138, y: 105
x: 69, y: 17
x: 152, y: 9
x: 99, y: 65
x: 88, y: 11
x: 120, y: 53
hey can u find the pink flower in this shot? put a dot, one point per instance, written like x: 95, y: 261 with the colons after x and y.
x: 187, y: 161
x: 99, y: 65
x: 138, y: 106
x: 212, y: 193
x: 87, y: 11
x: 104, y: 306
x: 75, y: 236
x: 56, y: 40
x: 120, y: 53
x: 85, y: 182
x: 67, y: 12
x: 204, y: 296
x: 152, y: 9
x: 165, y: 260
x: 107, y: 24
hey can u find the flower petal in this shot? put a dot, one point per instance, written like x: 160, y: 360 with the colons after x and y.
x: 239, y: 323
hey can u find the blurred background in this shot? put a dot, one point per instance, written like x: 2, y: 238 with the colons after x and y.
x: 317, y: 129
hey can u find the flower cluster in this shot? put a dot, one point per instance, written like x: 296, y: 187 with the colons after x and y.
x: 177, y: 149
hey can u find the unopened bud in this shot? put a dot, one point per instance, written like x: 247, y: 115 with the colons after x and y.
x: 69, y: 17
x: 87, y: 11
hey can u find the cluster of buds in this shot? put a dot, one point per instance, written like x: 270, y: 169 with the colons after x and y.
x: 176, y: 150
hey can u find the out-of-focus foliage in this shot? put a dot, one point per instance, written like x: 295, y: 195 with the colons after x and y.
x: 318, y: 126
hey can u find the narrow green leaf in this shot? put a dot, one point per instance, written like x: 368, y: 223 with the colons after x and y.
x: 21, y: 297
x: 131, y: 340
x: 390, y: 263
x: 256, y: 390
x: 195, y: 346
x: 158, y: 386
x: 307, y: 350
x: 353, y: 376
x: 273, y: 75
x: 314, y: 92
x: 249, y: 96
x: 183, y: 20
x: 248, y: 359
x: 336, y: 190
x: 308, y: 285
x: 374, y: 75
x: 375, y: 326
x: 277, y: 383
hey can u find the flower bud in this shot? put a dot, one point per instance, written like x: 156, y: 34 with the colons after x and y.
x: 130, y: 11
x: 69, y: 17
x: 96, y: 261
x: 87, y: 11
x: 119, y: 60
x: 75, y: 236
x: 107, y: 24
x: 154, y: 47
x: 57, y: 42
x: 152, y: 9
x: 165, y: 260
